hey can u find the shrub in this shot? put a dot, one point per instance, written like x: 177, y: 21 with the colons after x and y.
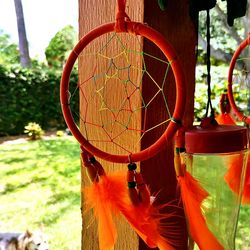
x: 30, y: 95
x: 34, y: 131
x: 59, y: 133
x: 60, y: 46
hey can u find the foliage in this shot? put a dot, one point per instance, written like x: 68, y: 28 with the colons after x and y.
x: 59, y: 47
x: 33, y: 130
x: 218, y: 85
x: 30, y: 95
x: 221, y: 38
x: 8, y: 51
x: 223, y: 42
x: 40, y: 184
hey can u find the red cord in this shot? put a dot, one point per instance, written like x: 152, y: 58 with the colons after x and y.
x: 121, y: 16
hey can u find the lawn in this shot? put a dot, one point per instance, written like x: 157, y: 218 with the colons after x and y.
x: 40, y: 185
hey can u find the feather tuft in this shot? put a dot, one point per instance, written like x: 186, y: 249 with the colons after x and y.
x: 233, y: 177
x: 105, y: 198
x: 225, y: 118
x: 193, y: 195
x: 95, y: 199
x: 146, y: 221
x: 109, y: 197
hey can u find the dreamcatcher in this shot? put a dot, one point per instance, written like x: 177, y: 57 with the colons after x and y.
x: 112, y: 104
x: 239, y: 97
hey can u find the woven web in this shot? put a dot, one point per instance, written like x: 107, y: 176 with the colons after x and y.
x: 241, y: 82
x: 123, y: 101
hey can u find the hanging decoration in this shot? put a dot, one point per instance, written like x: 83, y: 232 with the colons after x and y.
x: 112, y: 102
x: 109, y: 197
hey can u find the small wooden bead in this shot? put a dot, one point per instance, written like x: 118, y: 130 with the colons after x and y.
x: 99, y: 168
x: 92, y: 174
x: 130, y: 176
x: 84, y: 159
x: 138, y: 178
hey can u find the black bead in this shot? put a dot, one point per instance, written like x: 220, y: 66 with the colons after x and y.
x: 131, y: 184
x: 180, y: 150
x: 131, y: 166
x: 92, y: 160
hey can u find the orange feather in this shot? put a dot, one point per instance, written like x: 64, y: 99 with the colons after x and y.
x: 193, y: 195
x: 233, y: 177
x: 246, y: 191
x: 111, y: 193
x: 225, y: 118
x: 146, y: 222
x: 95, y: 198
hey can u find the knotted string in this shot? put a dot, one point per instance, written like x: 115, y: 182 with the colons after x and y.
x: 209, y: 102
x: 121, y: 16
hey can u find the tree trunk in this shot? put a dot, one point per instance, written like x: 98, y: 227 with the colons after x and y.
x: 246, y: 20
x: 23, y: 43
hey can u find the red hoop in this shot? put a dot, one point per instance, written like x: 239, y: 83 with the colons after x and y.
x: 166, y: 48
x: 239, y: 114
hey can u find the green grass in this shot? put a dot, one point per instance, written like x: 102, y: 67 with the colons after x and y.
x: 40, y: 185
x: 243, y: 232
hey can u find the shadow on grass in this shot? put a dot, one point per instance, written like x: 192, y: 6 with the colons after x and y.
x: 60, y: 146
x: 15, y: 159
x: 10, y: 187
x: 53, y: 164
x: 72, y: 197
x: 51, y: 218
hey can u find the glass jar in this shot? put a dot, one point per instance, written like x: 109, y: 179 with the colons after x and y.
x: 217, y: 157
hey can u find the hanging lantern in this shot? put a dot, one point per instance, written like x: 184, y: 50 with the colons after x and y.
x: 214, y: 155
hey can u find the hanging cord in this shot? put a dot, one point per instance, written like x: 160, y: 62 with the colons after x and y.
x: 121, y: 16
x: 209, y: 102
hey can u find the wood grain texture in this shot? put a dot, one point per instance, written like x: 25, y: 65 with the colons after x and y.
x: 92, y: 14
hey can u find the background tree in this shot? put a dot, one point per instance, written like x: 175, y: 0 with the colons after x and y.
x: 224, y: 41
x: 60, y: 46
x: 224, y: 38
x: 23, y: 42
x: 9, y: 53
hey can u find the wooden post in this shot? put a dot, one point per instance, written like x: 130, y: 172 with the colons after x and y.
x: 158, y: 172
x: 176, y: 25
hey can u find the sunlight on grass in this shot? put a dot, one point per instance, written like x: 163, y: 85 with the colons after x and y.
x: 40, y: 185
x: 243, y: 232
